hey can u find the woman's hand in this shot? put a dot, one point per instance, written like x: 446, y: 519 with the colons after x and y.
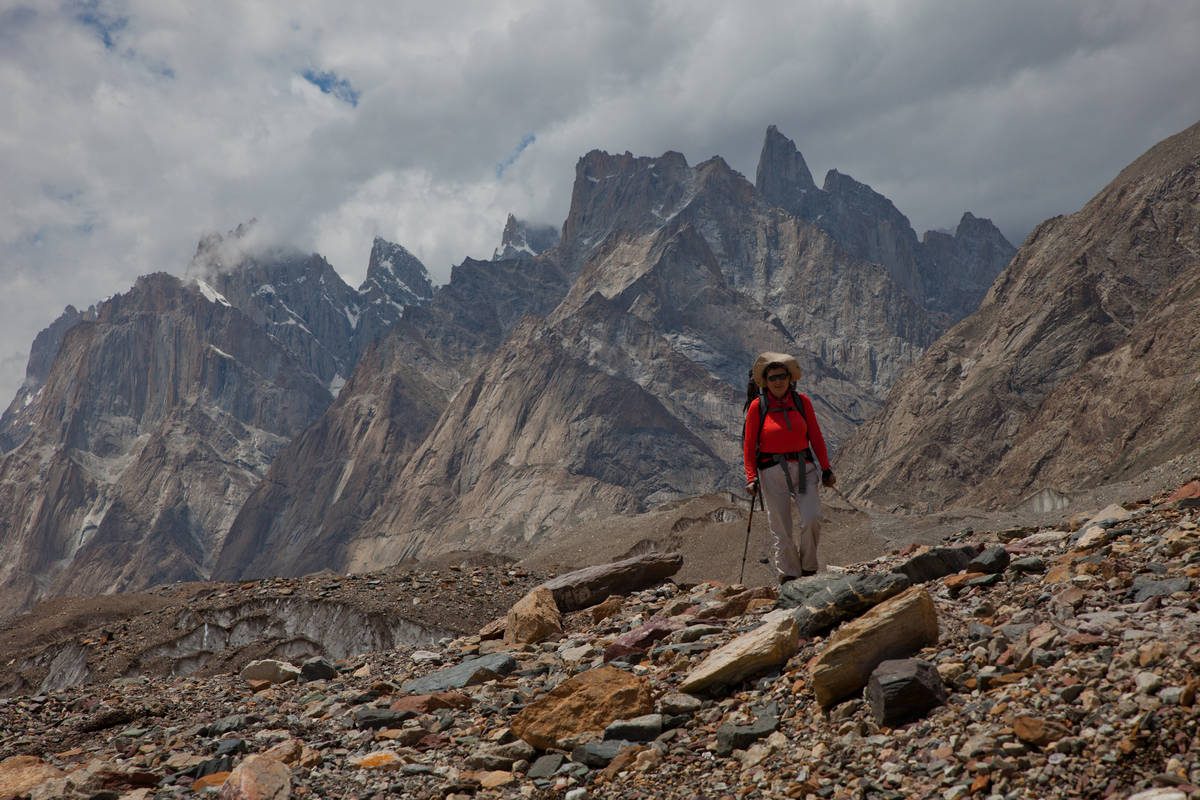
x: 752, y: 488
x: 828, y: 478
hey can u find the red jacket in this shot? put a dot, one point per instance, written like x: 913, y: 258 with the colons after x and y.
x: 784, y: 431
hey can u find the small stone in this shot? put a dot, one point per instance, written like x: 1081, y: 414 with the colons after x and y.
x: 1148, y: 682
x: 545, y: 766
x: 679, y: 703
x: 492, y: 780
x: 638, y: 729
x: 257, y: 778
x: 1037, y: 731
x: 268, y: 669
x: 599, y: 754
x: 380, y: 760
x: 901, y: 691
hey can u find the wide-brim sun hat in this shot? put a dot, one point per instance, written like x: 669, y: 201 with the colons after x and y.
x: 764, y: 360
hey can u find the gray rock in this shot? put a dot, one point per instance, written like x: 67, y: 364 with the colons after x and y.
x: 937, y: 562
x: 824, y: 601
x: 991, y: 560
x: 639, y: 729
x: 679, y: 703
x: 590, y: 585
x: 545, y: 766
x: 316, y: 669
x: 501, y: 756
x: 1028, y: 564
x: 598, y: 754
x: 1144, y: 588
x: 468, y: 673
x: 381, y: 717
x: 903, y: 690
x: 732, y: 737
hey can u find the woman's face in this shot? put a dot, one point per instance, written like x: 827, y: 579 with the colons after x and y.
x: 778, y: 379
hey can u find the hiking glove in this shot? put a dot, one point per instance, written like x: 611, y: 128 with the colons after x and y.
x: 752, y: 488
x: 828, y: 478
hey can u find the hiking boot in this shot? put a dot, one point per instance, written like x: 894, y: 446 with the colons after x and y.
x: 785, y: 578
x: 804, y: 573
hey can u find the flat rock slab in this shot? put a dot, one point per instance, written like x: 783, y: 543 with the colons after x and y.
x: 768, y: 645
x: 937, y: 562
x: 903, y: 690
x: 895, y: 628
x: 825, y: 601
x: 591, y: 585
x: 468, y: 673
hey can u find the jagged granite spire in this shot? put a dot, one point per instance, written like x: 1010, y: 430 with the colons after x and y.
x: 783, y: 178
x: 523, y: 238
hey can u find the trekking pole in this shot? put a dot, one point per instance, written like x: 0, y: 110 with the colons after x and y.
x: 847, y: 499
x: 749, y: 522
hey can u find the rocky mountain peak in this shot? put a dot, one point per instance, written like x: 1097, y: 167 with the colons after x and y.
x: 1075, y: 371
x: 395, y: 275
x: 635, y: 194
x: 783, y: 177
x: 522, y: 238
x: 18, y: 418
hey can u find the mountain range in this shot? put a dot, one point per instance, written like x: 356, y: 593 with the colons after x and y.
x: 259, y: 416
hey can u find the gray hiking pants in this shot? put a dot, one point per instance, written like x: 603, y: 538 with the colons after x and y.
x: 780, y: 509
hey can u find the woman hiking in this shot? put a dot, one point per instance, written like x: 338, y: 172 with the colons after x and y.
x: 779, y: 449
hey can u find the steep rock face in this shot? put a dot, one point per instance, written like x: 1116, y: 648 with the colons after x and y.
x: 945, y: 274
x: 320, y: 494
x: 625, y: 193
x: 958, y: 270
x: 1012, y: 397
x: 18, y: 419
x: 539, y: 438
x: 336, y: 473
x: 139, y: 471
x: 522, y: 239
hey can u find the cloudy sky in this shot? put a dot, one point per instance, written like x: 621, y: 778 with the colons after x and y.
x: 131, y: 127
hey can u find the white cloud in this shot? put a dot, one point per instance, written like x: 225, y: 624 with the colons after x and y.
x: 133, y: 126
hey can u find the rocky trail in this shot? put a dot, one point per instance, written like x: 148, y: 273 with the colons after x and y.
x: 1023, y: 662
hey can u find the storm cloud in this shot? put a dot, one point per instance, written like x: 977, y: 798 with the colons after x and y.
x: 134, y: 127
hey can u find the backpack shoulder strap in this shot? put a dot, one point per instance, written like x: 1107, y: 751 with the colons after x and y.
x: 798, y: 399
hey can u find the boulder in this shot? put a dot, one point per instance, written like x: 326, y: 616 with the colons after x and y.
x: 316, y: 669
x: 589, y: 701
x: 895, y: 628
x: 468, y: 673
x: 590, y: 585
x: 825, y: 601
x: 768, y: 645
x: 258, y: 778
x: 901, y: 691
x: 533, y: 618
x: 268, y: 669
x: 937, y: 562
x: 991, y: 561
x: 19, y: 774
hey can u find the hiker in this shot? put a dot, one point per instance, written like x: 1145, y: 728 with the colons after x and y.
x: 782, y: 452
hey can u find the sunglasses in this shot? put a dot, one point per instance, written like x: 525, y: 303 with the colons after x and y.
x: 779, y: 376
